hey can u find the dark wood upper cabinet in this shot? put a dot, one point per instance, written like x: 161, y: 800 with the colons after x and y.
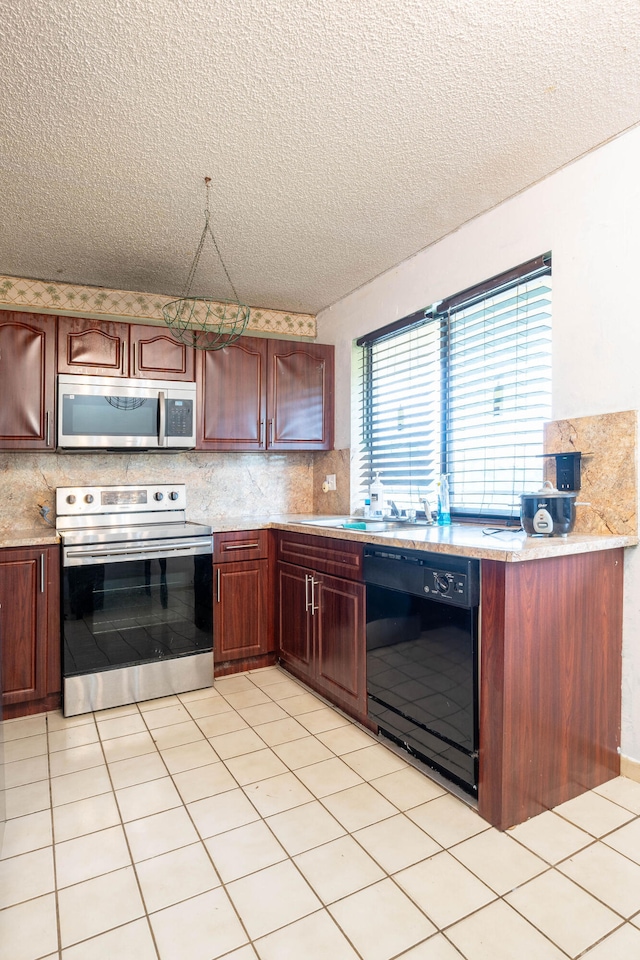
x: 266, y: 395
x: 104, y: 349
x: 300, y: 400
x: 232, y: 393
x: 93, y: 347
x: 28, y: 377
x: 155, y: 355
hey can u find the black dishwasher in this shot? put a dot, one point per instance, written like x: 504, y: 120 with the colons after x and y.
x: 422, y: 656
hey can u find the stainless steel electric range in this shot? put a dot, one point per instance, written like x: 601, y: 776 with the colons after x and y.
x: 137, y: 595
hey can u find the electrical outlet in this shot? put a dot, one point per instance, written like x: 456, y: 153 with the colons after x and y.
x: 330, y: 481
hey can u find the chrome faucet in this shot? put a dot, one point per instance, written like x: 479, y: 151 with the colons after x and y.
x: 394, y: 510
x: 427, y: 510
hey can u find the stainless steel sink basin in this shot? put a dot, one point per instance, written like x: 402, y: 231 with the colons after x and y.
x: 360, y: 523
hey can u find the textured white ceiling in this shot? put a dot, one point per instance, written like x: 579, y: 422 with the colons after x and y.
x: 342, y: 136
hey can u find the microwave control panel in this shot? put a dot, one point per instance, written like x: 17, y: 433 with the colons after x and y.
x: 179, y: 418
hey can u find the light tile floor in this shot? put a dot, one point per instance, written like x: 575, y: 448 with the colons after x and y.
x: 253, y: 822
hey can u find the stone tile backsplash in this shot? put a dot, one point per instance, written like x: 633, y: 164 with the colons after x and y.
x: 218, y: 484
x: 609, y: 482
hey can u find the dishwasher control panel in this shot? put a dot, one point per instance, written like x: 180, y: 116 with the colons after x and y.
x: 445, y: 579
x: 444, y: 585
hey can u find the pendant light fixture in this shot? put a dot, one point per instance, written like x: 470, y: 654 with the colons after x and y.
x: 202, y: 322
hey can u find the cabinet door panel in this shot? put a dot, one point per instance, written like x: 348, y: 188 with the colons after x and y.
x: 340, y: 641
x: 156, y: 355
x: 27, y: 374
x: 300, y: 396
x: 294, y: 624
x: 240, y: 611
x: 232, y: 396
x: 21, y: 621
x: 92, y: 347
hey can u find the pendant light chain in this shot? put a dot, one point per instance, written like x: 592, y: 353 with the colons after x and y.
x: 196, y: 260
x: 202, y: 322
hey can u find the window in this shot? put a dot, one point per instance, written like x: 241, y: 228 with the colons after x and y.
x: 462, y: 388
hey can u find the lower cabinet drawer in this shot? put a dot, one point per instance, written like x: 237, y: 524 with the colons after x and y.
x: 240, y: 545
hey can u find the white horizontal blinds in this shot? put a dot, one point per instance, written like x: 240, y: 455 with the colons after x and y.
x: 463, y: 387
x: 401, y: 412
x: 498, y: 397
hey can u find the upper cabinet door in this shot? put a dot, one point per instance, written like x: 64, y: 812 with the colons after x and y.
x: 155, y: 355
x: 301, y: 380
x: 232, y: 396
x: 27, y: 375
x: 93, y: 347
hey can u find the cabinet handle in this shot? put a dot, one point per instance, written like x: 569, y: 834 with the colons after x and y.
x: 314, y: 584
x: 240, y: 546
x: 306, y: 592
x: 42, y: 573
x: 218, y: 585
x: 135, y: 358
x: 270, y: 432
x: 124, y: 353
x: 261, y: 433
x: 47, y: 429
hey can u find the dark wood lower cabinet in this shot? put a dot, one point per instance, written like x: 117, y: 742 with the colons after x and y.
x: 240, y: 616
x: 550, y: 681
x: 30, y: 630
x: 243, y: 602
x: 321, y: 632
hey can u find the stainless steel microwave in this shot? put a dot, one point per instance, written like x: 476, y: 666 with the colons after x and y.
x: 114, y: 413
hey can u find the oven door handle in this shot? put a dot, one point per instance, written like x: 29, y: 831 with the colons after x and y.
x: 96, y: 553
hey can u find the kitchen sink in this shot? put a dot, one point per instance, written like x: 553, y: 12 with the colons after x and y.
x: 362, y: 523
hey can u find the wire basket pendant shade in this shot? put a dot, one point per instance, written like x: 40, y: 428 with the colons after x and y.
x: 202, y: 322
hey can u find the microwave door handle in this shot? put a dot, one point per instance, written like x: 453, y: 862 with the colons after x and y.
x: 161, y: 419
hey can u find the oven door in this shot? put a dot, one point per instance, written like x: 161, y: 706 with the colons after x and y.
x: 137, y: 623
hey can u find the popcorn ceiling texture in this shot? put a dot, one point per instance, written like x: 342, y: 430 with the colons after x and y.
x: 341, y: 138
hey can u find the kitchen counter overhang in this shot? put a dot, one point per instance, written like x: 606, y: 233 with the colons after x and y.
x: 476, y: 541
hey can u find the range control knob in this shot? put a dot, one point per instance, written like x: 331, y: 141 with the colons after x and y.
x: 174, y: 495
x: 88, y: 498
x: 71, y: 498
x: 158, y: 496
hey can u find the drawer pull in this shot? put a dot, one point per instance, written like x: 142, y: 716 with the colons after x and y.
x: 240, y: 546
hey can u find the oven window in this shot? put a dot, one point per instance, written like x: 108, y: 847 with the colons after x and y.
x: 88, y: 416
x: 140, y: 611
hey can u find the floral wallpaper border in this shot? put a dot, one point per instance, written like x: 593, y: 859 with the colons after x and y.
x: 18, y: 293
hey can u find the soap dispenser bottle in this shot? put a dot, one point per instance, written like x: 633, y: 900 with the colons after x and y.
x: 444, y: 507
x: 376, y: 495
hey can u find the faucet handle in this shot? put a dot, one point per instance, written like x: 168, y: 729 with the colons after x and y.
x: 427, y: 510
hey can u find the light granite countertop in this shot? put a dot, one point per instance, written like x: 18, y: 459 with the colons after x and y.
x: 28, y: 535
x: 482, y: 542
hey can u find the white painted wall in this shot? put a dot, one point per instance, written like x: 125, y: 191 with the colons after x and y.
x: 588, y: 215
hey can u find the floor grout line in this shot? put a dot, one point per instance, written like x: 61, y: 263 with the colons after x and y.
x: 367, y: 779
